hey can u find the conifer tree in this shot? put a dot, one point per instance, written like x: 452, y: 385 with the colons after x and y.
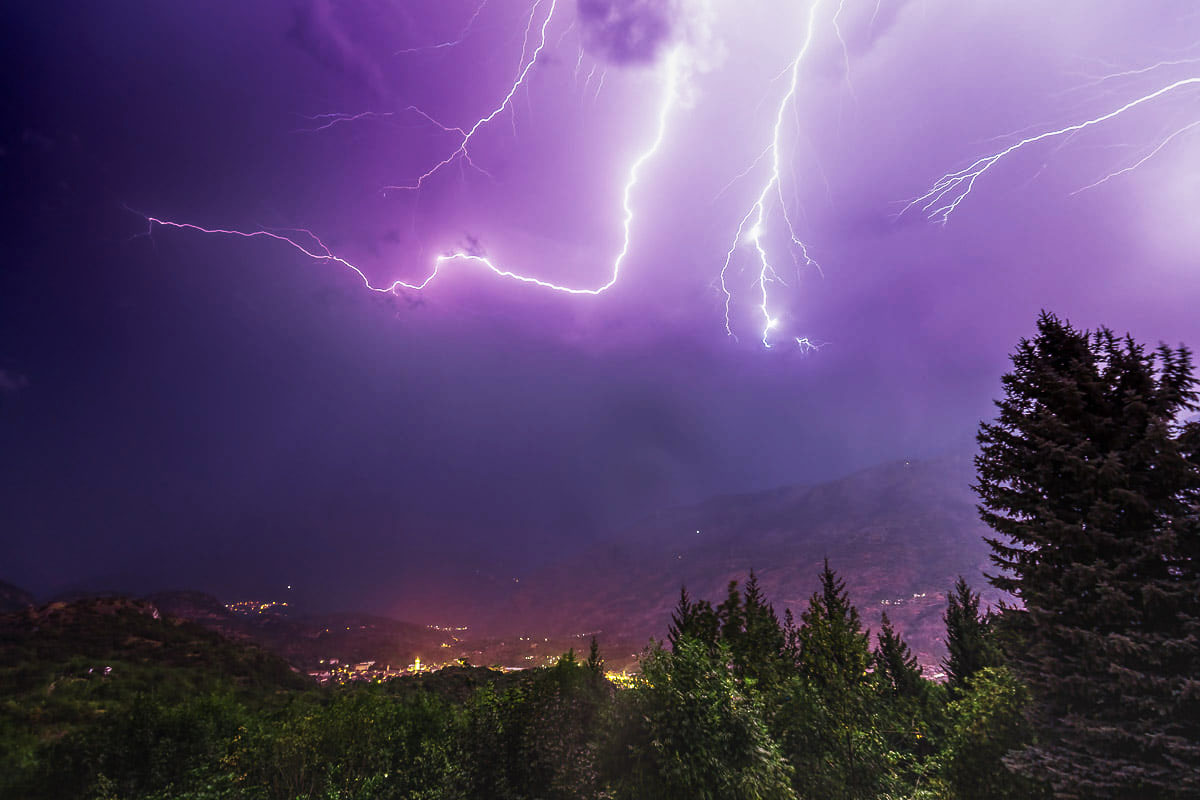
x: 907, y: 704
x: 1091, y: 483
x: 969, y: 642
x: 681, y: 618
x: 731, y: 617
x: 896, y: 667
x: 595, y: 663
x: 694, y: 619
x: 760, y: 650
x: 791, y: 637
x: 834, y: 743
x: 834, y: 649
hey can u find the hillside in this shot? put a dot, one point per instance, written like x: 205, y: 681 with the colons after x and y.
x: 899, y: 534
x: 74, y: 673
x: 61, y: 644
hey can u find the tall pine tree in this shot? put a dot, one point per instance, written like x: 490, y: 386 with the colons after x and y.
x: 896, y: 668
x: 969, y: 641
x: 907, y: 706
x: 693, y: 619
x: 835, y: 742
x: 760, y: 651
x: 1092, y: 484
x: 731, y: 617
x: 834, y: 648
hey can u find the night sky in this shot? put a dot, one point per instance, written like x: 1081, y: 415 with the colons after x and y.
x: 180, y: 409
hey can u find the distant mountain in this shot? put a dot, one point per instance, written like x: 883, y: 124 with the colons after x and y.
x: 13, y: 598
x: 899, y: 534
x: 306, y: 641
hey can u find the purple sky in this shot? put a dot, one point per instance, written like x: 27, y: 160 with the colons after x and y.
x: 185, y: 409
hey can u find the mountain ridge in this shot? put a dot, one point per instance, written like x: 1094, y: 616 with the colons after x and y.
x: 898, y: 533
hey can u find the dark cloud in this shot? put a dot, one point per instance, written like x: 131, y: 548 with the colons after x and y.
x: 627, y: 31
x: 472, y: 246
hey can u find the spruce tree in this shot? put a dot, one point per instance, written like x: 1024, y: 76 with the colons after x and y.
x: 696, y: 620
x: 681, y: 618
x: 835, y: 742
x: 595, y: 662
x: 907, y: 705
x: 896, y: 668
x: 731, y: 617
x: 760, y: 652
x: 1091, y: 483
x: 834, y: 649
x: 791, y: 637
x: 969, y: 642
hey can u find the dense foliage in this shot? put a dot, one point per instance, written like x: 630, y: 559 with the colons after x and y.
x: 1089, y: 687
x: 108, y: 701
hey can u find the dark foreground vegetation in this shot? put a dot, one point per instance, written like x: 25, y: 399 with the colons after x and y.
x: 1087, y: 686
x: 104, y: 700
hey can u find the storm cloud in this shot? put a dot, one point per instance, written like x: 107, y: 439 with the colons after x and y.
x: 627, y: 31
x: 198, y: 403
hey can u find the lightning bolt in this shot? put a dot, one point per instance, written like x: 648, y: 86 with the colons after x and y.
x: 669, y: 98
x: 1141, y: 160
x: 1130, y: 73
x: 772, y: 190
x: 807, y: 345
x: 318, y: 251
x: 462, y: 35
x: 599, y: 85
x: 578, y: 65
x: 874, y: 16
x: 524, y: 67
x: 769, y: 204
x: 949, y: 191
x: 328, y: 120
x: 837, y: 29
